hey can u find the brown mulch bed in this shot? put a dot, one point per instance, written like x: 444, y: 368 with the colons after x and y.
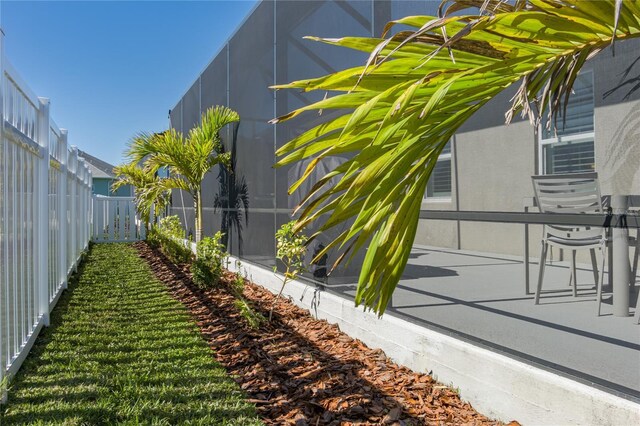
x: 299, y: 370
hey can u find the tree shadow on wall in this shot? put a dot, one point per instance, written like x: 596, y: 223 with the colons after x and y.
x: 232, y: 199
x: 623, y: 155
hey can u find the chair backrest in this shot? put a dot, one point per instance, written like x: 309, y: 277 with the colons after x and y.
x: 575, y: 193
x: 569, y: 193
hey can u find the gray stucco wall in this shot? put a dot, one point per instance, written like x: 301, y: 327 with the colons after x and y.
x: 495, y: 162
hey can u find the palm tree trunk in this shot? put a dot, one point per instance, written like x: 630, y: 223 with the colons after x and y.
x: 197, y: 204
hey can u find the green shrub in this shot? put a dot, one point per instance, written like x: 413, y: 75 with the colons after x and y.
x: 169, y: 236
x: 211, y: 251
x: 153, y: 239
x: 202, y: 276
x: 210, y: 255
x: 171, y: 227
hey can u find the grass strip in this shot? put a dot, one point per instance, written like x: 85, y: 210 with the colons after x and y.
x: 120, y: 350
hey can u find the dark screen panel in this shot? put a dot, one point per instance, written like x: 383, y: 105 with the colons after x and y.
x: 241, y: 74
x: 298, y: 58
x: 175, y: 117
x: 258, y: 239
x: 191, y: 107
x: 251, y: 65
x: 214, y: 81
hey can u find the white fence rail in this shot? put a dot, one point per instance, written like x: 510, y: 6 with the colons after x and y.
x: 115, y: 220
x: 45, y: 211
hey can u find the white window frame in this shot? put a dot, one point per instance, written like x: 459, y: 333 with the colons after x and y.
x: 576, y: 137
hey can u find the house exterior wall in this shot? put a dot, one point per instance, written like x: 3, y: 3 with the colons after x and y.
x: 123, y: 191
x: 102, y: 186
x: 491, y: 163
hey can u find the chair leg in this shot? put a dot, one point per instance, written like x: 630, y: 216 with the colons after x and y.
x: 543, y: 258
x: 594, y: 265
x: 574, y: 274
x: 634, y: 274
x: 636, y: 316
x: 601, y: 280
x: 636, y: 252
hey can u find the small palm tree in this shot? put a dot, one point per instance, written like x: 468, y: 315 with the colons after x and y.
x: 149, y: 196
x: 415, y: 91
x: 232, y: 199
x: 187, y: 159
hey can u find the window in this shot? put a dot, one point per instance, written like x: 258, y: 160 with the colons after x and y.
x: 569, y: 148
x: 439, y: 185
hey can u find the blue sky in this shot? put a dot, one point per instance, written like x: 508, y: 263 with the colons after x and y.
x: 112, y: 69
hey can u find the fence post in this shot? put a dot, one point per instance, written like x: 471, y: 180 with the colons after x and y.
x: 80, y: 204
x: 85, y: 207
x: 90, y: 209
x: 82, y: 209
x: 62, y: 203
x: 3, y: 388
x: 74, y: 208
x: 42, y: 188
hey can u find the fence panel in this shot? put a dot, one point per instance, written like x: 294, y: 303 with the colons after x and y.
x: 115, y: 220
x: 45, y: 216
x: 55, y: 239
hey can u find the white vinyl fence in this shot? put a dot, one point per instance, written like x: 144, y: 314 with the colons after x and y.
x: 45, y: 211
x: 115, y: 220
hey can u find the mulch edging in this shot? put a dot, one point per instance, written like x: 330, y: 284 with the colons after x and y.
x: 299, y: 370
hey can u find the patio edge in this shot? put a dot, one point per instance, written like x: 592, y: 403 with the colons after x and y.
x: 496, y: 385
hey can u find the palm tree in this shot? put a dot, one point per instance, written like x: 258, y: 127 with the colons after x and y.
x: 416, y: 89
x: 149, y: 196
x: 187, y: 159
x: 232, y: 198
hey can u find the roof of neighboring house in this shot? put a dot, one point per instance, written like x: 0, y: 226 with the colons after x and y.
x: 99, y: 168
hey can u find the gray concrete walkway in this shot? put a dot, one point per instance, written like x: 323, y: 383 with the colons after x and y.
x: 480, y: 297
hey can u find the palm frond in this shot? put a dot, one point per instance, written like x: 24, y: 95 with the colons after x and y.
x: 416, y: 89
x: 148, y: 192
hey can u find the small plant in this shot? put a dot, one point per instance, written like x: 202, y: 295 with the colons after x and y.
x: 201, y: 275
x: 290, y: 250
x: 238, y: 283
x: 210, y: 255
x: 169, y: 235
x: 253, y: 318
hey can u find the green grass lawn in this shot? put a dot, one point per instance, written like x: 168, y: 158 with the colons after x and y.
x: 120, y: 350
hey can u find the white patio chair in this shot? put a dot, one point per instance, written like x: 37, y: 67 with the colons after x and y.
x: 577, y: 193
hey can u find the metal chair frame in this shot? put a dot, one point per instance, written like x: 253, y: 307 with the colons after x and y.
x: 577, y: 193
